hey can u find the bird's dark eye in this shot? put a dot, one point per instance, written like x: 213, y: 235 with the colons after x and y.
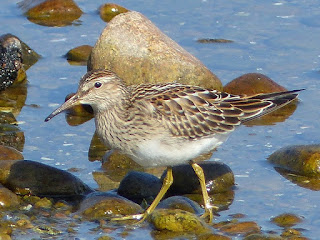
x: 97, y: 84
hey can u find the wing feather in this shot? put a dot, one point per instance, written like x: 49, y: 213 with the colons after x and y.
x: 194, y: 112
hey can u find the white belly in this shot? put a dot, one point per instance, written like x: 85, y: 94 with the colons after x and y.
x: 155, y: 152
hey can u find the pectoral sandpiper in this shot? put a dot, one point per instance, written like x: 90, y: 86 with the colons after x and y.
x: 167, y: 124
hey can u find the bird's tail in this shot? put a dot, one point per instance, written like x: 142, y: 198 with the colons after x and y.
x: 258, y: 105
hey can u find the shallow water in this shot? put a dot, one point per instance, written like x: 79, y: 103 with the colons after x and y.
x: 277, y: 38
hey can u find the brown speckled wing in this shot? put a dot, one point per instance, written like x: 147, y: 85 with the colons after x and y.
x: 189, y: 111
x: 195, y: 112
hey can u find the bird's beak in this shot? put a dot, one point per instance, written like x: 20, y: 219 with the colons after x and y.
x: 71, y: 102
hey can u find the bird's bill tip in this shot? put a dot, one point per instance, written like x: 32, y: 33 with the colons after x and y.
x: 65, y: 106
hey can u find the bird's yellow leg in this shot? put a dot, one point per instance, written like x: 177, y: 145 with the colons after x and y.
x: 206, y: 199
x: 167, y: 182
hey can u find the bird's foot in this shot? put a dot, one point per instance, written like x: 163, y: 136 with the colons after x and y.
x: 209, y: 213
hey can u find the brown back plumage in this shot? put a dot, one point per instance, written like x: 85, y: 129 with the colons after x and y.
x: 195, y: 112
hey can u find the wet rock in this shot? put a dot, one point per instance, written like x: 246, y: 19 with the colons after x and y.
x: 13, y: 98
x: 214, y: 40
x: 104, y: 182
x: 177, y: 220
x: 29, y: 177
x: 44, y: 203
x: 9, y: 153
x: 134, y: 48
x: 300, y: 159
x: 251, y: 84
x: 286, y: 220
x: 117, y: 165
x: 212, y: 236
x: 292, y: 234
x: 79, y: 55
x: 8, y: 198
x: 5, y: 236
x: 97, y: 149
x: 220, y: 200
x: 7, y: 118
x: 258, y: 236
x: 6, y: 229
x: 11, y: 69
x: 29, y: 56
x: 240, y: 228
x: 14, y: 50
x: 110, y: 10
x: 52, y: 13
x: 107, y: 205
x: 139, y: 186
x: 219, y: 178
x: 182, y: 203
x: 12, y: 136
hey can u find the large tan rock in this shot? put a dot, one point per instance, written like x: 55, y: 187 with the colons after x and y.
x: 133, y: 47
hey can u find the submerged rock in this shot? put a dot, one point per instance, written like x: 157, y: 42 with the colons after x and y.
x: 286, y: 220
x: 214, y: 40
x: 240, y: 228
x: 97, y: 149
x: 134, y: 48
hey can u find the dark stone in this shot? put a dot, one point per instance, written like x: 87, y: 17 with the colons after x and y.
x: 139, y: 186
x: 219, y: 178
x: 43, y: 180
x: 10, y: 60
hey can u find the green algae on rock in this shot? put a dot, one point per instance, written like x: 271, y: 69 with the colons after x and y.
x: 138, y: 52
x: 177, y: 220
